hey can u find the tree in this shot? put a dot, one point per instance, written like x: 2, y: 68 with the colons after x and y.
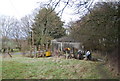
x: 13, y: 30
x: 26, y: 25
x: 99, y: 29
x: 16, y: 32
x: 6, y: 27
x: 78, y: 5
x: 47, y: 26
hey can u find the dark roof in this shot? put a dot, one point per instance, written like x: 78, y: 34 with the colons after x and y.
x: 66, y: 39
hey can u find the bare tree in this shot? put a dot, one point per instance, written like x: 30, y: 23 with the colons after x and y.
x: 6, y: 27
x: 80, y: 7
x: 26, y: 26
x: 26, y: 23
x: 6, y: 23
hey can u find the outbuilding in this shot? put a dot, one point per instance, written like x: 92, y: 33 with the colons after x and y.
x: 65, y: 42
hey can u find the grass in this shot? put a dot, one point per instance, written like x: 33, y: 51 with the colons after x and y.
x: 20, y: 67
x: 0, y: 67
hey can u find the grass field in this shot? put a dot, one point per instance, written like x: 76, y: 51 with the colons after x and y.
x: 20, y: 67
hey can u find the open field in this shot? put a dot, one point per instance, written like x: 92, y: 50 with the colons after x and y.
x: 20, y: 67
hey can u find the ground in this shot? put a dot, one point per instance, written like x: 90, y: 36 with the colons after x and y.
x: 20, y: 67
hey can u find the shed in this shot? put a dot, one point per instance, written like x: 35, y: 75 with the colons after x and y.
x: 65, y: 42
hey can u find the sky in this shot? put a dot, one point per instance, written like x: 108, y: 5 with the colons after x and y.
x: 17, y: 8
x: 20, y: 8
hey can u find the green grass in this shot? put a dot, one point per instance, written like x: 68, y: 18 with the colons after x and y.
x: 0, y: 67
x: 16, y: 50
x: 52, y: 68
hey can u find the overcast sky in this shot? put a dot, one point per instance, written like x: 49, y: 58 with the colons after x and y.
x: 17, y: 8
x: 20, y: 8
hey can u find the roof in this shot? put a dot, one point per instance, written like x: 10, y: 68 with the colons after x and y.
x: 66, y: 39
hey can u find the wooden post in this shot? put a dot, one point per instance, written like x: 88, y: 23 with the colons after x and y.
x: 32, y: 38
x: 33, y: 50
x: 30, y: 50
x: 31, y: 46
x: 61, y: 47
x: 38, y: 50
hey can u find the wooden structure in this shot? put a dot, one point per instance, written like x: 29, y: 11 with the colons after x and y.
x: 65, y: 42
